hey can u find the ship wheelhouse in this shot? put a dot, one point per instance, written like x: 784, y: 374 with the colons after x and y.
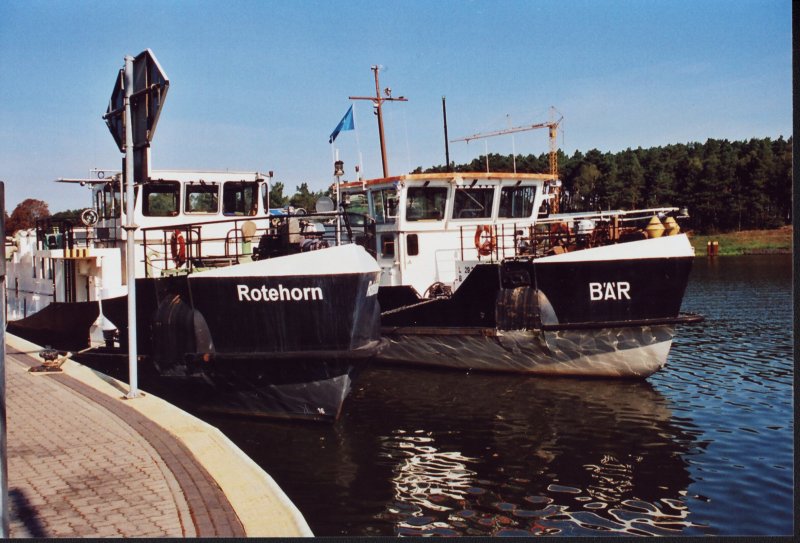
x: 426, y: 224
x: 183, y: 209
x: 176, y: 197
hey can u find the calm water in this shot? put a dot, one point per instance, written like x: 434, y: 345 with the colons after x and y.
x: 703, y: 447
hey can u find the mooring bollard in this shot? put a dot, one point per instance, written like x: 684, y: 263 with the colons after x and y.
x: 52, y: 361
x: 712, y: 248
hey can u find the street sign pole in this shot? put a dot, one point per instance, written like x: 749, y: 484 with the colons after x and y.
x: 130, y: 230
x: 133, y: 111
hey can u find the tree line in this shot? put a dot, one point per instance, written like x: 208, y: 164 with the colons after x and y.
x: 726, y: 186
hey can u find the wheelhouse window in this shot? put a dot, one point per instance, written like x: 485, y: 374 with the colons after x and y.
x: 265, y: 197
x: 107, y: 202
x: 473, y: 203
x: 202, y: 198
x: 161, y: 199
x: 384, y: 205
x: 356, y: 203
x: 516, y: 202
x: 239, y: 198
x: 426, y: 203
x: 412, y: 244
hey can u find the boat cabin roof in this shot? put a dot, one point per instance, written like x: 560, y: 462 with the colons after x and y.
x: 452, y: 177
x: 189, y: 176
x: 182, y: 176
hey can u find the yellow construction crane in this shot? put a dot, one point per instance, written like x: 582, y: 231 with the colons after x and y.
x: 553, y: 131
x: 552, y: 127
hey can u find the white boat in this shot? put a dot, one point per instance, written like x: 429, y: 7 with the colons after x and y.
x: 209, y: 304
x: 269, y: 313
x: 476, y: 274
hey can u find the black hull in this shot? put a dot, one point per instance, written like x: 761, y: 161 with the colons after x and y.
x: 299, y: 389
x: 277, y: 345
x: 307, y: 389
x: 188, y: 318
x: 333, y: 313
x: 521, y: 294
x: 60, y: 325
x: 591, y: 318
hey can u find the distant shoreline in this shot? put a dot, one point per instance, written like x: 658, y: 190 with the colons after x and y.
x: 746, y: 242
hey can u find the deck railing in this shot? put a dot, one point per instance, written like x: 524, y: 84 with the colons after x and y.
x: 185, y: 248
x: 555, y: 234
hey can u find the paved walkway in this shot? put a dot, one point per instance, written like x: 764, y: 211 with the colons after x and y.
x: 85, y: 462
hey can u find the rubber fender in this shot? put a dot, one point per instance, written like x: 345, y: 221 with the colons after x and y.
x: 523, y: 308
x: 516, y: 309
x: 173, y: 333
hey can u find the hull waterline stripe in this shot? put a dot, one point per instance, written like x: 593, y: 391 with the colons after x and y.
x: 365, y: 351
x: 492, y: 332
x: 680, y: 319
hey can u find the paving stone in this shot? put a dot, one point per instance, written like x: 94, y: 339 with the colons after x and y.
x: 82, y: 464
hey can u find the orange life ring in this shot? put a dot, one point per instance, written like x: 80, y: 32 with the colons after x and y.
x: 484, y: 245
x: 178, y: 247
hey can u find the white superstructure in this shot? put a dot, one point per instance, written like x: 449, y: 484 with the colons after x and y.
x: 432, y: 229
x: 179, y: 214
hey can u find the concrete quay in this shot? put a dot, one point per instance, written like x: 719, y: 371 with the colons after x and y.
x: 83, y: 461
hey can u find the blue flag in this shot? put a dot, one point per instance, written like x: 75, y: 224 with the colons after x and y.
x: 345, y: 124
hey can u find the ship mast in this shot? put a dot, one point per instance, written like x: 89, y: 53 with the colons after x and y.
x: 377, y: 102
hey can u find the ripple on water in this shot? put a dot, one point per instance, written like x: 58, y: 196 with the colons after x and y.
x: 563, y: 489
x: 418, y: 521
x: 538, y: 499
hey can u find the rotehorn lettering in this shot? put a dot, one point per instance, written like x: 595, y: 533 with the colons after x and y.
x: 247, y: 293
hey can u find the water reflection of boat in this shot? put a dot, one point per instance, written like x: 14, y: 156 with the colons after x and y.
x: 529, y: 451
x: 480, y: 454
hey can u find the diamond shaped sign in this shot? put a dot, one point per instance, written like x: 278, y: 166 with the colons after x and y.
x: 115, y: 114
x: 150, y: 85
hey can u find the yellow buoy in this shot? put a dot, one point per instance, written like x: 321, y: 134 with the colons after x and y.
x: 654, y: 229
x: 671, y: 226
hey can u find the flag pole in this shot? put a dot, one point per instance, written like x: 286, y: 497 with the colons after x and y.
x: 347, y: 123
x: 337, y: 172
x: 358, y: 145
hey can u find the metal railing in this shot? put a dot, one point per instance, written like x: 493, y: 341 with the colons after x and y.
x: 556, y: 234
x: 185, y: 248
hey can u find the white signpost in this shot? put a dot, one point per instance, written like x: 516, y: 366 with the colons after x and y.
x: 132, y: 115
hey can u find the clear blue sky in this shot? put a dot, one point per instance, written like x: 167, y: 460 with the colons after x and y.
x: 259, y: 85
